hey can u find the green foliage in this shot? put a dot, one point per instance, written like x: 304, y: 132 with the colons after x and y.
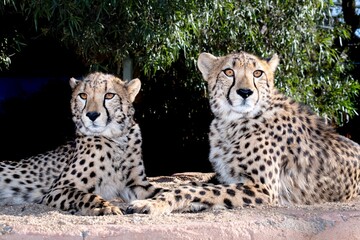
x: 4, y: 57
x: 9, y: 46
x: 11, y: 41
x: 156, y: 33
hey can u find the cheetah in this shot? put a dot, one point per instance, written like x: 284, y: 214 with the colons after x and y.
x: 265, y: 148
x: 103, y: 162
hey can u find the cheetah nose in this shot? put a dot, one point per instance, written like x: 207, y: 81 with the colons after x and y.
x: 244, y: 93
x: 93, y: 115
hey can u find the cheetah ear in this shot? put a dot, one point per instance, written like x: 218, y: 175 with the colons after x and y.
x: 133, y: 88
x: 274, y: 62
x: 74, y: 82
x: 205, y: 64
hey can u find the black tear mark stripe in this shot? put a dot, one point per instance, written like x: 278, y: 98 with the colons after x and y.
x: 232, y: 85
x: 234, y: 79
x: 228, y: 94
x: 86, y: 101
x: 108, y: 120
x: 257, y: 90
x: 107, y: 112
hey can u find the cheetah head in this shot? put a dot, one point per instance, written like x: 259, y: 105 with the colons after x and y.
x: 239, y: 84
x: 101, y: 104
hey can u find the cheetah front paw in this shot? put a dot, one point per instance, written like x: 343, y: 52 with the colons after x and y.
x: 108, y: 210
x: 104, y: 208
x: 152, y: 207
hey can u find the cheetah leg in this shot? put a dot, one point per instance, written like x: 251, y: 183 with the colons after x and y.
x: 75, y: 200
x: 144, y: 190
x: 195, y: 198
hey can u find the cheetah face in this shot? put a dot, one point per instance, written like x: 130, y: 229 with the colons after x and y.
x: 102, y: 104
x: 239, y: 84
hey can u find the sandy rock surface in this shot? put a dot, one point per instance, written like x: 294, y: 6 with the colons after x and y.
x: 326, y: 221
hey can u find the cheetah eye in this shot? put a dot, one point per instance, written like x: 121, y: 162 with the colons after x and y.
x: 229, y: 72
x: 109, y: 96
x: 83, y: 96
x: 258, y: 73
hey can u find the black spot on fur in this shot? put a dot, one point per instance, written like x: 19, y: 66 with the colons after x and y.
x: 178, y: 198
x: 247, y: 200
x: 231, y: 192
x: 216, y: 192
x: 84, y: 180
x: 249, y: 192
x: 228, y: 203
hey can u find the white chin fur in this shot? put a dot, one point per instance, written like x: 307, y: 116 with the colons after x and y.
x: 105, y: 132
x: 243, y: 108
x: 95, y: 129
